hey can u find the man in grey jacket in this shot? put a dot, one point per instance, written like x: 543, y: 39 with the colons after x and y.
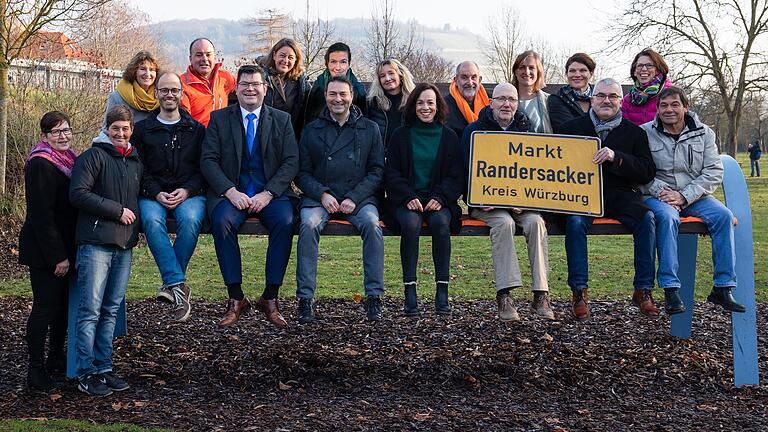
x: 341, y: 169
x: 688, y: 170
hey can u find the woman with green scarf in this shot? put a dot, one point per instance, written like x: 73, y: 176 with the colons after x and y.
x: 650, y: 74
x: 137, y: 88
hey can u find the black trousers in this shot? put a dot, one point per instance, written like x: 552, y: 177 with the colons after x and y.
x: 50, y: 295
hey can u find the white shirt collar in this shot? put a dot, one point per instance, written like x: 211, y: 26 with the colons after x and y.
x: 244, y: 112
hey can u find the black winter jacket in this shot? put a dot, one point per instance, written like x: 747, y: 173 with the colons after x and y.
x: 346, y: 162
x: 448, y: 173
x: 171, y: 157
x: 561, y: 111
x: 48, y: 234
x: 103, y: 183
x: 632, y: 165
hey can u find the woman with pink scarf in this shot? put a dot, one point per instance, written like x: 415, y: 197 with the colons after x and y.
x: 650, y: 74
x: 47, y: 246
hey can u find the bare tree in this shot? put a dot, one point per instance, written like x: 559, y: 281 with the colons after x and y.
x: 712, y: 44
x: 429, y: 67
x: 387, y: 37
x: 313, y: 36
x: 269, y: 26
x: 115, y: 32
x: 20, y: 21
x: 506, y: 40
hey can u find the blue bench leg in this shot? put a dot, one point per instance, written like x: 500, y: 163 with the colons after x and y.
x: 687, y: 245
x: 74, y: 300
x: 121, y: 326
x: 744, y: 325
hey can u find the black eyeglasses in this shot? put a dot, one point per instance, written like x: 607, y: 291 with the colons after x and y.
x: 165, y: 91
x: 64, y: 131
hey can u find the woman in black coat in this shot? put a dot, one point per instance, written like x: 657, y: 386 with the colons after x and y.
x: 573, y: 99
x: 47, y: 246
x: 424, y: 178
x: 287, y: 84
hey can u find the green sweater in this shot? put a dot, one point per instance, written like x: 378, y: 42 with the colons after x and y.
x: 425, y: 141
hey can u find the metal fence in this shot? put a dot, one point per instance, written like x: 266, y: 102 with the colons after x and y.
x: 63, y: 74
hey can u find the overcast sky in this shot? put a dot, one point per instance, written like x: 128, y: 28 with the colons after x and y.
x: 575, y: 25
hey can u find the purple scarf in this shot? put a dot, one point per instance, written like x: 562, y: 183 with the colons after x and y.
x: 63, y: 160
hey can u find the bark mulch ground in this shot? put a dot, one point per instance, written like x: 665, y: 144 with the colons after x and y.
x: 619, y: 371
x: 9, y: 248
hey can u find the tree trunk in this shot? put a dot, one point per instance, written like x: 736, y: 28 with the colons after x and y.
x: 3, y: 123
x: 732, y: 139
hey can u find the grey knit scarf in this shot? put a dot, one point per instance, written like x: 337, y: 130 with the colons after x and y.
x: 603, y: 127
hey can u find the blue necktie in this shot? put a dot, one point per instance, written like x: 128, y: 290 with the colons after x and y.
x: 250, y: 132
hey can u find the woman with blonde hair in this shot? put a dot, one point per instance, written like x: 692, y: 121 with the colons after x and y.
x: 137, y: 88
x: 529, y: 81
x: 387, y: 96
x: 287, y: 84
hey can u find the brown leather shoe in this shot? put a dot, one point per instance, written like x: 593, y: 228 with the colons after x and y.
x: 235, y: 308
x: 643, y: 300
x: 271, y: 309
x: 580, y: 304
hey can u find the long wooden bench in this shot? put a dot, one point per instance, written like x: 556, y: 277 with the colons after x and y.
x: 743, y: 324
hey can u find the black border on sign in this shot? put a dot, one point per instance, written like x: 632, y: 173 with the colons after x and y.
x: 471, y: 164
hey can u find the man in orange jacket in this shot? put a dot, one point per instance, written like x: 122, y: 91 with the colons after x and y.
x: 205, y: 84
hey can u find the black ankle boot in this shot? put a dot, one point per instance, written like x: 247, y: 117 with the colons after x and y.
x: 722, y: 296
x: 672, y: 302
x: 56, y: 363
x: 441, y: 299
x: 411, y: 307
x: 38, y: 379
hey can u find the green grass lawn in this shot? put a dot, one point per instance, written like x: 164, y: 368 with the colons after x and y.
x: 340, y: 265
x: 44, y: 425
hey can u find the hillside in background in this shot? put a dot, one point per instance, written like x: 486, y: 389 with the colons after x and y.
x: 231, y: 38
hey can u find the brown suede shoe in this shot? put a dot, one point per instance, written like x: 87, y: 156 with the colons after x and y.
x: 235, y: 308
x: 541, y: 305
x: 580, y: 305
x: 643, y: 300
x: 271, y: 310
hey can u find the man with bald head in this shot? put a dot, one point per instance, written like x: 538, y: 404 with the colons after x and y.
x: 466, y: 97
x: 169, y: 142
x: 502, y: 115
x: 206, y: 86
x: 626, y: 162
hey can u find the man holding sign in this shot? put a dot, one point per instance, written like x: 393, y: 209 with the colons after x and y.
x: 626, y: 162
x: 502, y: 115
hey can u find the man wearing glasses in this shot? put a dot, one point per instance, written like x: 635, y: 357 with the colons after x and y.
x: 626, y: 162
x: 250, y: 157
x: 169, y: 142
x: 502, y: 115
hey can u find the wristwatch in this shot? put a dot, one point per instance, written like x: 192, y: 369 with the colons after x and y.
x: 269, y: 192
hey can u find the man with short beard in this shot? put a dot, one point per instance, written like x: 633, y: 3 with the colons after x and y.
x: 169, y: 143
x: 466, y: 97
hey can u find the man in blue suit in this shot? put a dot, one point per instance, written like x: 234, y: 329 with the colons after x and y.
x: 249, y: 159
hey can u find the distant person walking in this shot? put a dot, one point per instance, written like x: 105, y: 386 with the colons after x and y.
x: 755, y: 152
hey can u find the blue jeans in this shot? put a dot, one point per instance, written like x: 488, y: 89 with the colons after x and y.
x: 313, y: 220
x: 754, y: 164
x: 172, y: 260
x: 719, y: 221
x: 644, y: 233
x: 102, y: 276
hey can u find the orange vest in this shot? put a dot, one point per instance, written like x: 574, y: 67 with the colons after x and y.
x: 202, y: 96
